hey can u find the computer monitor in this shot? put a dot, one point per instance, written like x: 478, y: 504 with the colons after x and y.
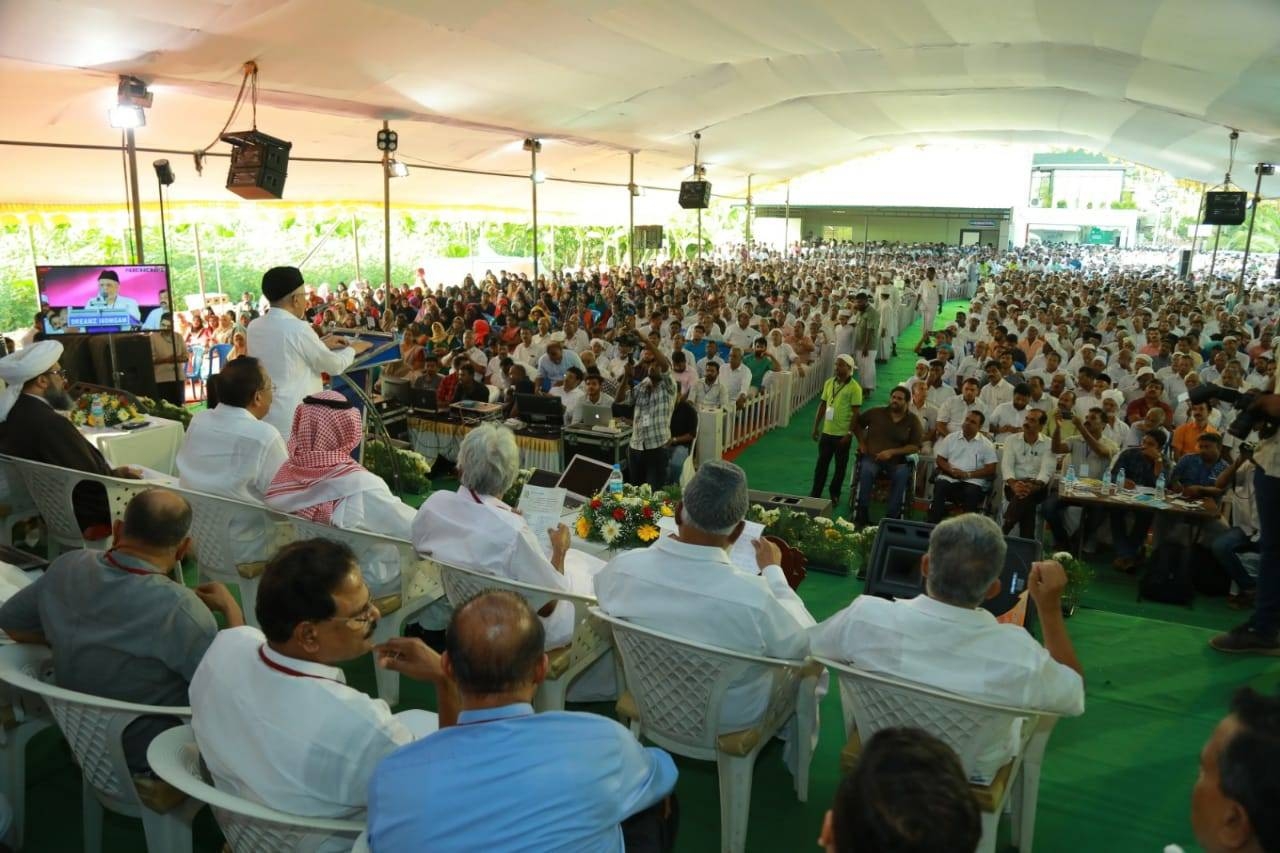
x: 584, y: 477
x: 894, y: 567
x: 397, y: 389
x: 423, y: 400
x: 538, y: 410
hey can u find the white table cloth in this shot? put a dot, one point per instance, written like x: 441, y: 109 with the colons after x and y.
x: 154, y: 447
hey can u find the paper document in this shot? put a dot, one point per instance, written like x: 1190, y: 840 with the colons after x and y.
x: 742, y: 554
x: 542, y: 507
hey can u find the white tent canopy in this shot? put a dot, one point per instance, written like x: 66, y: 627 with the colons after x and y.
x: 777, y: 89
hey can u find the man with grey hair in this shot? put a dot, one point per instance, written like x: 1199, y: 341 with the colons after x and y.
x: 944, y: 639
x: 473, y: 528
x: 686, y: 585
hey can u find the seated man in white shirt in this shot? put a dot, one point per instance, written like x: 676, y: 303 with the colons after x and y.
x: 709, y: 392
x: 686, y: 585
x: 571, y: 392
x: 275, y: 721
x: 945, y: 640
x: 473, y: 528
x: 951, y: 413
x: 966, y: 462
x: 593, y: 395
x: 1007, y: 417
x: 1027, y: 466
x: 231, y: 452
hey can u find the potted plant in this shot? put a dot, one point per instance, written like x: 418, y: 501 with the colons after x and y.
x: 1079, y: 574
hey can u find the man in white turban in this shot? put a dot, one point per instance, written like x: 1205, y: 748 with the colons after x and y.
x: 32, y: 428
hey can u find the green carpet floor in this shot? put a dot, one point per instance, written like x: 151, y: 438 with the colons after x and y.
x: 1117, y: 779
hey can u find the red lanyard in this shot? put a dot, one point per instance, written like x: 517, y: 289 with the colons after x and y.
x: 474, y: 496
x: 116, y: 563
x: 286, y: 670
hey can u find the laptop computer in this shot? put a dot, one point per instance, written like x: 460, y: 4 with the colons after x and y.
x: 583, y: 479
x: 423, y: 400
x: 597, y: 415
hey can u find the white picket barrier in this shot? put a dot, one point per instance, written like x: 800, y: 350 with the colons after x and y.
x: 804, y: 389
x: 759, y: 414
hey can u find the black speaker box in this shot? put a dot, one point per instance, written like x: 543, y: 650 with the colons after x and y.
x: 133, y: 360
x: 1225, y: 208
x: 1184, y: 263
x: 259, y: 164
x: 695, y: 195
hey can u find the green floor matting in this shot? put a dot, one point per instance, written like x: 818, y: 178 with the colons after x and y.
x: 1117, y: 779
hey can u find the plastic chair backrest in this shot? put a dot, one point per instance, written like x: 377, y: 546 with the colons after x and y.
x: 461, y: 584
x: 52, y: 487
x: 248, y: 826
x: 874, y: 701
x: 92, y: 725
x: 196, y: 364
x: 218, y: 357
x: 368, y: 547
x: 211, y: 520
x: 679, y: 685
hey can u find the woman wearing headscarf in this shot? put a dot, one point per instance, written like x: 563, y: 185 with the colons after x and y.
x: 321, y: 482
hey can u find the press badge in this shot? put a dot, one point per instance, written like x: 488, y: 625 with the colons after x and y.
x: 831, y: 413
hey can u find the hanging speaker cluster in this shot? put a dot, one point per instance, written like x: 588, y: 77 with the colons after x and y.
x: 259, y: 164
x: 695, y: 195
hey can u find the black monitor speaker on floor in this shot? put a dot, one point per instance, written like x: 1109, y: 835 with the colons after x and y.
x: 894, y: 567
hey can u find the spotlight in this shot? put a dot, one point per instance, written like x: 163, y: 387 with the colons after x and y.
x: 397, y: 169
x: 1265, y: 169
x: 534, y: 145
x: 388, y: 140
x: 538, y: 176
x: 126, y: 116
x: 164, y: 172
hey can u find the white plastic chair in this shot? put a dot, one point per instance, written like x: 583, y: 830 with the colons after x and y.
x: 419, y: 586
x: 588, y: 645
x: 51, y: 488
x: 93, y: 727
x: 675, y: 696
x: 212, y: 518
x: 247, y: 826
x: 22, y: 717
x: 874, y: 701
x: 16, y: 503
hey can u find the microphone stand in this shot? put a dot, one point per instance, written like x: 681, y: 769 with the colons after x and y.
x: 173, y: 320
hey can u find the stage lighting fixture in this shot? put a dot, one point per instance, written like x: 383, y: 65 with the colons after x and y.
x: 397, y: 169
x: 538, y: 176
x: 534, y: 145
x: 164, y: 172
x: 388, y: 140
x: 1265, y: 169
x: 126, y: 116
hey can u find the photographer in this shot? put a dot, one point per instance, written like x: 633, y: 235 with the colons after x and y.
x: 1259, y: 634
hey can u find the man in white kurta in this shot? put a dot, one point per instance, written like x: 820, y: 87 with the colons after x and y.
x: 936, y: 640
x: 231, y: 452
x: 293, y: 355
x: 687, y: 586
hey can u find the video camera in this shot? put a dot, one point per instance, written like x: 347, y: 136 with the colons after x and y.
x: 1246, y: 421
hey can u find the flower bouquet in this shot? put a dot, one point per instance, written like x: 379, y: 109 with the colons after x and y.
x: 512, y: 496
x: 165, y: 409
x: 628, y: 519
x: 1079, y: 574
x: 826, y: 543
x: 103, y: 410
x: 415, y: 470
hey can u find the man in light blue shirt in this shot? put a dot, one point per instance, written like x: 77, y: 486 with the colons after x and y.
x: 505, y: 778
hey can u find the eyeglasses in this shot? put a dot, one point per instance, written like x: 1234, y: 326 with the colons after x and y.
x: 361, y: 619
x: 57, y: 371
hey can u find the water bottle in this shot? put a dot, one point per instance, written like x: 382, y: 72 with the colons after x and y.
x: 613, y: 485
x: 97, y: 413
x: 1108, y: 485
x: 1120, y: 480
x: 1160, y: 487
x: 1071, y: 479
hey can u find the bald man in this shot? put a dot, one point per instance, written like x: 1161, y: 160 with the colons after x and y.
x: 442, y: 794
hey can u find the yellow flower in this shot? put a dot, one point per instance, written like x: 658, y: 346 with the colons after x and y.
x: 832, y: 533
x: 583, y: 527
x: 648, y: 533
x: 667, y: 511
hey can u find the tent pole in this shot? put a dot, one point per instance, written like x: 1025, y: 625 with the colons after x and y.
x: 355, y: 240
x: 195, y: 228
x: 786, y: 223
x: 131, y: 149
x: 533, y: 183
x: 1248, y: 239
x: 386, y: 211
x: 748, y: 226
x: 631, y: 214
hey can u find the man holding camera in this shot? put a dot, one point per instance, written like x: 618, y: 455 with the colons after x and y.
x: 1259, y: 634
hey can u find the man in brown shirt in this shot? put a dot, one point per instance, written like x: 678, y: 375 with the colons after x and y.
x: 886, y: 436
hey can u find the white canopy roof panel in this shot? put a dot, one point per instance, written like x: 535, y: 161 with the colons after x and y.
x: 777, y: 89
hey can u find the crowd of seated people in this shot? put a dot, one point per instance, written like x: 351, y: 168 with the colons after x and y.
x: 1051, y: 357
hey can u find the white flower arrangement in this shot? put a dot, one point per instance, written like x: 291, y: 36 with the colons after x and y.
x: 610, y: 530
